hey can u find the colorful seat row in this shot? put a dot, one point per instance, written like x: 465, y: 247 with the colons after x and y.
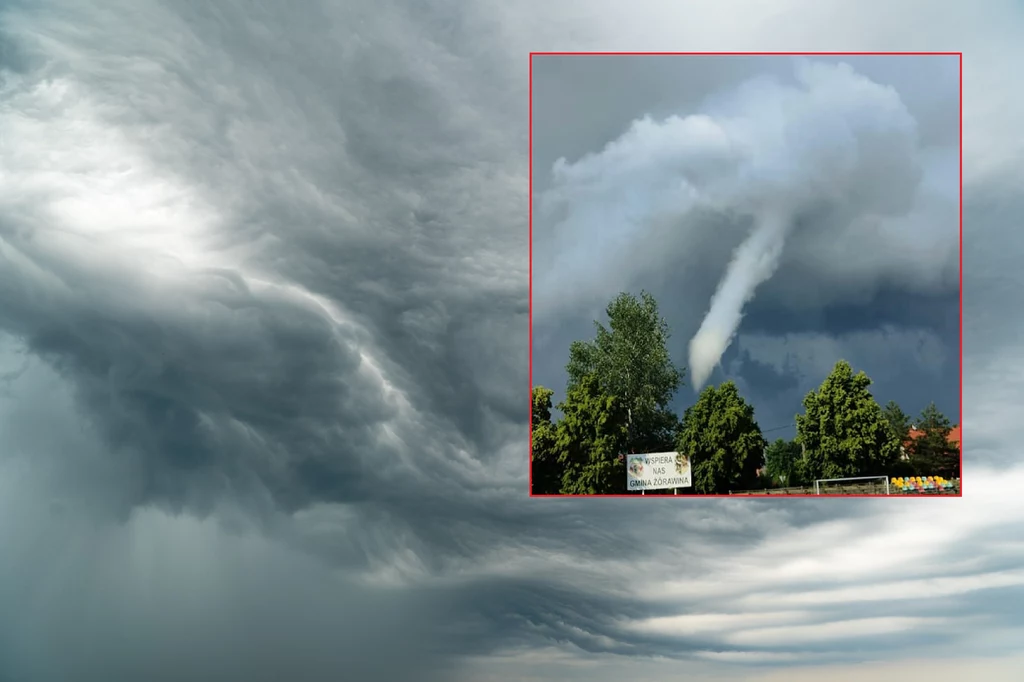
x: 911, y: 483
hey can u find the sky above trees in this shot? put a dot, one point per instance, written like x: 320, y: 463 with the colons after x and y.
x: 881, y: 292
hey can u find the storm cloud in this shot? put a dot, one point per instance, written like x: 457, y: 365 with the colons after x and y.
x: 836, y: 151
x: 801, y: 198
x: 264, y: 363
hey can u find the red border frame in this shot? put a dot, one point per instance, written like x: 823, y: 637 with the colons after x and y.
x: 777, y: 54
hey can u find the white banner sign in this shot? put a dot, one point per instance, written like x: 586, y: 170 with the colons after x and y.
x: 657, y: 471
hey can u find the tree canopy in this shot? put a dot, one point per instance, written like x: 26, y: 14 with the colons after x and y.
x: 897, y: 420
x: 781, y: 462
x: 545, y: 471
x: 630, y: 360
x: 723, y: 441
x: 619, y: 390
x: 843, y: 430
x: 589, y: 439
x: 932, y: 451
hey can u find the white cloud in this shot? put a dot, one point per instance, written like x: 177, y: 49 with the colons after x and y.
x: 842, y: 630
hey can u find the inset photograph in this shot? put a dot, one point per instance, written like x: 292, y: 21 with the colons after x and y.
x: 745, y: 275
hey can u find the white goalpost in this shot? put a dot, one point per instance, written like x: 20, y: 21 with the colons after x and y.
x: 817, y: 486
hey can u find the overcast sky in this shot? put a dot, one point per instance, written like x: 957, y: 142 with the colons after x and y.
x: 878, y: 288
x: 264, y: 373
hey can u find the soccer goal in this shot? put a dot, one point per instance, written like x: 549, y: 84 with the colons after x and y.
x: 817, y: 483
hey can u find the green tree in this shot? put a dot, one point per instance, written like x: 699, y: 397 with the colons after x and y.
x: 546, y: 471
x: 722, y: 440
x: 800, y: 477
x: 843, y: 430
x: 932, y: 453
x: 630, y: 360
x: 780, y: 461
x: 898, y: 420
x: 589, y: 439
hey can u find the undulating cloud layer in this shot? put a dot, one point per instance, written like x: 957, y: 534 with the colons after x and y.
x: 263, y: 371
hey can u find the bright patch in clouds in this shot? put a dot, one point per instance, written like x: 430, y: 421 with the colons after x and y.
x: 97, y: 188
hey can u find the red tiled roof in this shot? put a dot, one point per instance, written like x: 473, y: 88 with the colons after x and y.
x: 953, y: 437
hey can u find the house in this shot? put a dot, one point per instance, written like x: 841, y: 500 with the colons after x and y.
x: 953, y: 437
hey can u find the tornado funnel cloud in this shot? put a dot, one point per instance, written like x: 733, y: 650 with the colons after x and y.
x: 754, y: 261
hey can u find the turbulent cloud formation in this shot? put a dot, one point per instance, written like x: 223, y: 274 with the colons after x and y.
x: 828, y: 187
x: 263, y: 368
x: 835, y: 142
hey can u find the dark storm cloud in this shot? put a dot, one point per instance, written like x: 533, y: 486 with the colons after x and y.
x: 262, y: 410
x: 245, y: 366
x: 176, y: 387
x: 331, y: 238
x: 887, y: 307
x: 130, y: 602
